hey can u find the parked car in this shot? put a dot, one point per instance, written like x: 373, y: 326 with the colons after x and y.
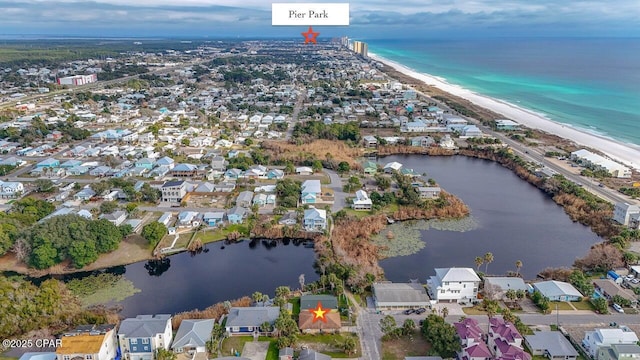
x: 409, y: 311
x: 618, y: 308
x: 420, y: 311
x: 635, y: 281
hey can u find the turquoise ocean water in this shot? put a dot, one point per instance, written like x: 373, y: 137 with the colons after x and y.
x: 593, y: 84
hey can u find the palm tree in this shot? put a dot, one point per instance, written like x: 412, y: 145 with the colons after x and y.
x: 479, y: 261
x: 488, y: 259
x: 444, y: 312
x: 518, y: 267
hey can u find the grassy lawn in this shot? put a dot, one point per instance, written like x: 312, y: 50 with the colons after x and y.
x: 397, y: 349
x: 357, y: 214
x: 326, y: 344
x: 583, y: 305
x: 220, y: 234
x: 561, y: 305
x: 296, y: 306
x: 475, y: 310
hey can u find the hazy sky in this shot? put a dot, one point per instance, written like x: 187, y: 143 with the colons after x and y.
x: 369, y: 18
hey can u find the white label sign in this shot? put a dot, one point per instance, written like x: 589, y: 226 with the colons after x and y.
x: 307, y: 14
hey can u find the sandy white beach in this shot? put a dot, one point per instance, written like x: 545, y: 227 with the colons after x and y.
x: 627, y: 154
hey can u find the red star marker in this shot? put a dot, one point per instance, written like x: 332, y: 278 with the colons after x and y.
x: 310, y: 37
x: 318, y: 313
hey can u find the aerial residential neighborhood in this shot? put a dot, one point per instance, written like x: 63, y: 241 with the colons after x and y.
x: 159, y: 152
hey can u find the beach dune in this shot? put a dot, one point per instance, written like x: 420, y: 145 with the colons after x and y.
x: 628, y: 154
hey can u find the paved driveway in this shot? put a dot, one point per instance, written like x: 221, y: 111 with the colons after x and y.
x: 339, y: 196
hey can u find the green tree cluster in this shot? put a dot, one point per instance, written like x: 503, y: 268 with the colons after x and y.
x: 70, y: 237
x: 581, y: 282
x: 288, y: 192
x: 442, y: 336
x: 153, y: 232
x: 541, y: 301
x: 320, y: 130
x: 24, y: 213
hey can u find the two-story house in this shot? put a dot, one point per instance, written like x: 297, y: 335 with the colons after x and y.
x: 10, y: 189
x: 140, y: 337
x: 619, y: 352
x: 310, y: 191
x: 623, y: 212
x: 362, y: 201
x: 472, y: 346
x: 505, y: 340
x: 454, y: 285
x: 89, y: 343
x: 315, y: 219
x: 174, y: 191
x: 595, y: 340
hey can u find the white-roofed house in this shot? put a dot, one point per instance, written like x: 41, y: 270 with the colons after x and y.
x: 595, y: 340
x: 454, y: 284
x: 558, y: 291
x: 362, y: 201
x: 310, y: 191
x: 315, y: 219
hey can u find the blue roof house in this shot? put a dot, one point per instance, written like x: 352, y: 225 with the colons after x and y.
x: 145, y: 163
x: 236, y: 215
x: 311, y: 190
x: 49, y: 163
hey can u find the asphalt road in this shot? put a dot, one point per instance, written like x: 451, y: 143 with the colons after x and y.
x: 339, y: 195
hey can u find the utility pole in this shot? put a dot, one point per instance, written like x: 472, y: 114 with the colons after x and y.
x: 557, y: 317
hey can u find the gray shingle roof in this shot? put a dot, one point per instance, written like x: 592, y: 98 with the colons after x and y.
x: 193, y: 333
x: 252, y: 316
x: 144, y: 325
x: 552, y: 341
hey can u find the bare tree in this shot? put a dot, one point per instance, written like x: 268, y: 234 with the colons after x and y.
x: 301, y: 282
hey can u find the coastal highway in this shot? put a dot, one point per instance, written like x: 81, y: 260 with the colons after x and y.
x: 535, y: 155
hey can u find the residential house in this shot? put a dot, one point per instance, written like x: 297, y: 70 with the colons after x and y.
x: 247, y: 320
x: 218, y: 163
x: 308, y: 354
x: 10, y: 189
x: 236, y: 215
x: 165, y: 218
x: 213, y: 218
x: 89, y: 342
x: 48, y: 163
x: 428, y: 192
x: 285, y: 354
x: 225, y: 187
x: 454, y: 284
x: 100, y: 171
x: 205, y: 187
x: 290, y: 218
x: 166, y: 162
x: 619, y: 352
x: 496, y: 287
x: 174, y: 191
x: 259, y: 200
x: 275, y: 174
x: 422, y: 141
x: 315, y: 219
x: 392, y: 167
x: 116, y: 217
x: 311, y: 191
x: 506, y: 125
x: 595, y: 340
x: 330, y: 322
x: 607, y: 288
x: 244, y: 199
x: 145, y: 163
x: 184, y: 170
x: 369, y: 141
x: 12, y: 161
x: 310, y: 302
x: 70, y: 164
x: 400, y: 296
x: 188, y: 219
x: 362, y: 201
x: 142, y: 336
x: 85, y: 194
x: 304, y: 170
x: 447, y: 142
x: 472, y: 346
x: 558, y: 291
x: 470, y: 131
x: 233, y: 173
x: 505, y: 340
x: 370, y: 168
x: 551, y: 344
x: 192, y: 336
